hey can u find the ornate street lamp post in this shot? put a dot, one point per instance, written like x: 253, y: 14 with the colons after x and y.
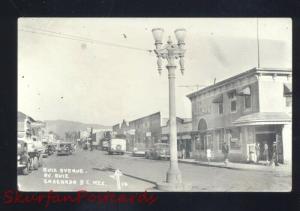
x: 171, y: 52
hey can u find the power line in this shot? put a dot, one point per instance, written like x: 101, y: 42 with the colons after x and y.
x: 78, y: 38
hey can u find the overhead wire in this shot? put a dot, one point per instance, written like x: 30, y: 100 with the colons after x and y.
x: 78, y: 38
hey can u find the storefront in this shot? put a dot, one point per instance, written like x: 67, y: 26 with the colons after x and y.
x: 261, y: 131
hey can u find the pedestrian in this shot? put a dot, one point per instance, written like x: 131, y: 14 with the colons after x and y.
x: 183, y: 152
x: 274, y: 160
x: 257, y: 151
x: 266, y: 153
x: 225, y: 150
x: 208, y: 155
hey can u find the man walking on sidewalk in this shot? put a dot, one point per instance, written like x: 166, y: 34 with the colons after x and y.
x: 225, y: 150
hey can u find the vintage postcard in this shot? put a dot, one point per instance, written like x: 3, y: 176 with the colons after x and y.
x: 155, y: 104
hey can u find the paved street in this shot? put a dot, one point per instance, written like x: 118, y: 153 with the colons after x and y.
x: 140, y: 174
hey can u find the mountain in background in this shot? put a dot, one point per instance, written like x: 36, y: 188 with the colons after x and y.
x: 61, y: 126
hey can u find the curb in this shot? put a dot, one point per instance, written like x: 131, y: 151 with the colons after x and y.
x: 226, y: 167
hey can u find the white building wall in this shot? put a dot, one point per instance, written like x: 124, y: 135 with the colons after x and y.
x: 287, y: 143
x: 271, y: 93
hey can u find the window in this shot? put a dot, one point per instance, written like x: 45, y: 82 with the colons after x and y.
x: 232, y: 98
x: 209, y: 144
x: 220, y: 105
x: 234, y: 139
x: 197, y: 143
x: 288, y: 100
x: 247, y: 101
x: 233, y: 106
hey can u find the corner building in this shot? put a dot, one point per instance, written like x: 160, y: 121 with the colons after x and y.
x: 252, y: 107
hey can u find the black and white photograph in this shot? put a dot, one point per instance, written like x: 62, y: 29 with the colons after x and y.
x: 154, y: 104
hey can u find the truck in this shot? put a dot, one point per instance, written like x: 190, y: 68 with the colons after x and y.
x: 116, y: 145
x: 100, y: 139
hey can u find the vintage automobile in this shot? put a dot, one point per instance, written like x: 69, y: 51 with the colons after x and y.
x: 139, y: 150
x: 64, y: 148
x: 23, y: 157
x: 158, y: 151
x: 117, y: 146
x: 50, y: 149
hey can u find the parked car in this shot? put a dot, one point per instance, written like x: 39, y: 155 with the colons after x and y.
x: 64, y: 148
x: 23, y: 157
x: 50, y: 149
x: 45, y: 149
x: 117, y: 146
x: 139, y: 150
x: 158, y: 151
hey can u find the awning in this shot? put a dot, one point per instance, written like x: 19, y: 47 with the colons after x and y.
x: 244, y: 91
x: 263, y: 118
x: 287, y: 89
x: 218, y: 99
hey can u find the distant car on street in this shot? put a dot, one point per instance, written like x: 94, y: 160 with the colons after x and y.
x: 64, y: 148
x: 117, y: 146
x: 158, y: 151
x: 45, y: 149
x: 139, y: 150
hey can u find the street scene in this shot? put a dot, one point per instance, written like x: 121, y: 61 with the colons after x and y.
x: 149, y: 104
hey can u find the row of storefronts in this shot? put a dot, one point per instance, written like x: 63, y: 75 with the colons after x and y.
x: 248, y: 109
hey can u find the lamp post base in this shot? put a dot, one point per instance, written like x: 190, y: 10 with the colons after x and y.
x: 179, y: 187
x: 174, y: 175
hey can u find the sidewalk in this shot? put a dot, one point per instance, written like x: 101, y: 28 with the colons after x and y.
x: 238, y: 166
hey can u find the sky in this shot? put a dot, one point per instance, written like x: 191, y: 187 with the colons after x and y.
x: 103, y: 70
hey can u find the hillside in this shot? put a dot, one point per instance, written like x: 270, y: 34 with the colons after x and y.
x: 62, y: 126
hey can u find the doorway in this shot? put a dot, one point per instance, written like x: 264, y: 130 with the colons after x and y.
x: 265, y: 138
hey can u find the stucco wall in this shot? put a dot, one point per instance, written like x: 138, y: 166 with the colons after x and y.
x: 271, y: 89
x: 211, y: 113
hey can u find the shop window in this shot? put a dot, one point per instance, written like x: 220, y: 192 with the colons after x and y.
x: 209, y: 142
x: 247, y: 101
x: 234, y: 139
x: 197, y: 144
x: 202, y: 144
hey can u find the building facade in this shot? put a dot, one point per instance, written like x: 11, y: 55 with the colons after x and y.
x: 254, y: 107
x: 142, y: 132
x: 184, y: 138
